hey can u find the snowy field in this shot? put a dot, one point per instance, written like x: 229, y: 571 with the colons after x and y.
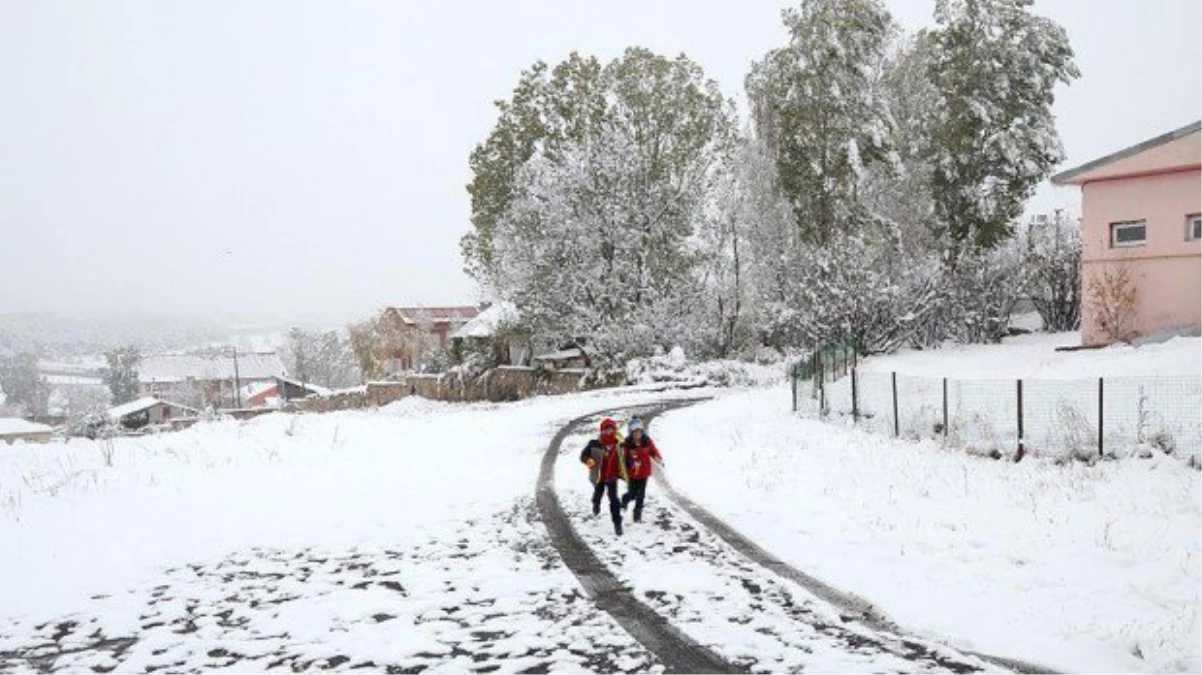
x: 1150, y: 396
x: 407, y: 538
x: 1080, y: 568
x: 297, y: 523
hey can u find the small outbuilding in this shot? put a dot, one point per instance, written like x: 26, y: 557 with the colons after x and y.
x: 149, y: 411
x: 493, y: 331
x: 13, y: 430
x: 564, y: 359
x: 289, y: 389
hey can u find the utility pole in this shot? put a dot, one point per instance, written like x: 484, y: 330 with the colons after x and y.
x: 237, y: 381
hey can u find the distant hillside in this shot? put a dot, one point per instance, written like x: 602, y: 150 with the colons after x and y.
x: 59, y: 335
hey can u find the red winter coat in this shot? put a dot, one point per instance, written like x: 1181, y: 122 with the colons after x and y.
x: 608, y: 461
x: 638, y: 457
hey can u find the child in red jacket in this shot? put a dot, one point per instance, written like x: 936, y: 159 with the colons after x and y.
x: 640, y: 452
x: 604, y: 457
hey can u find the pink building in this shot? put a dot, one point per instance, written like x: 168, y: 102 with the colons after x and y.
x: 1141, y: 234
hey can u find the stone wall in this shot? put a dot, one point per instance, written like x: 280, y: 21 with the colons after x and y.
x: 505, y: 383
x: 344, y: 401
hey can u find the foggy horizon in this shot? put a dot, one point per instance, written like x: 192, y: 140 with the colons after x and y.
x: 307, y: 163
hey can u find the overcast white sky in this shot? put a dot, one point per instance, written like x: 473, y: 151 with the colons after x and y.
x: 307, y: 160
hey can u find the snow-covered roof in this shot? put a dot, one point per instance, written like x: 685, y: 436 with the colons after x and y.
x: 315, y: 388
x: 573, y: 353
x: 74, y: 380
x: 180, y: 367
x: 256, y: 388
x: 13, y: 426
x: 144, y: 403
x: 413, y: 316
x: 486, y: 322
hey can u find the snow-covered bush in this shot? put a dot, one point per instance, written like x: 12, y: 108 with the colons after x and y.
x: 675, y: 368
x: 1054, y: 269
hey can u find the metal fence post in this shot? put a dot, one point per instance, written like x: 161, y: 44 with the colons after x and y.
x: 855, y: 400
x: 945, y: 408
x: 793, y: 376
x: 821, y: 386
x: 1101, y: 387
x: 1021, y: 452
x: 896, y: 423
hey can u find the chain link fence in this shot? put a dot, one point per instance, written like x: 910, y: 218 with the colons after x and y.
x: 1080, y: 418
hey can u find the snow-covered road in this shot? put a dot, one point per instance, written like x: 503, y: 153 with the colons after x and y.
x: 410, y: 540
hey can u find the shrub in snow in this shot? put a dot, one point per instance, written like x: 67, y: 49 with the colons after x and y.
x: 673, y: 367
x: 1054, y: 267
x: 1112, y: 294
x: 1078, y: 436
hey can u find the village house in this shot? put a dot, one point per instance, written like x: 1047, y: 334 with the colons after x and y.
x: 207, y: 379
x: 411, y: 334
x: 1141, y: 238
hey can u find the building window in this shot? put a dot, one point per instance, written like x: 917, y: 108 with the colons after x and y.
x: 1193, y: 227
x: 1128, y: 233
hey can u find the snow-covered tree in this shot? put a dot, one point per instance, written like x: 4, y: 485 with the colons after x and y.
x: 815, y: 106
x: 367, y: 344
x: 994, y: 65
x: 900, y: 191
x: 722, y: 242
x: 864, y: 289
x: 23, y: 386
x: 323, y: 358
x: 121, y: 376
x: 598, y: 240
x: 549, y: 107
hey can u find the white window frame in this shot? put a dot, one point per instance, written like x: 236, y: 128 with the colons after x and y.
x: 1193, y: 227
x: 1116, y: 226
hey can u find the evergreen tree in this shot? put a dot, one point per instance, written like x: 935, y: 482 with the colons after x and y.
x: 121, y: 377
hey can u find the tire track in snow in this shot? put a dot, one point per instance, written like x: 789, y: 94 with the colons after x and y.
x: 677, y: 651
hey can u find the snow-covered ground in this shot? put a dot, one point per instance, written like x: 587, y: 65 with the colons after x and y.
x: 83, y: 539
x: 1035, y: 356
x: 406, y: 537
x: 1080, y: 568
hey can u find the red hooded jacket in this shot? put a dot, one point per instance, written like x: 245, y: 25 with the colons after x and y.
x: 639, y: 456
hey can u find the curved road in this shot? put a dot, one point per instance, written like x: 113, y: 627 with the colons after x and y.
x: 677, y: 651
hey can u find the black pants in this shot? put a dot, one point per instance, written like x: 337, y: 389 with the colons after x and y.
x: 636, y: 493
x: 615, y: 508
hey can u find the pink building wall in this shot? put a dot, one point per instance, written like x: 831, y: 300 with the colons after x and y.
x: 1166, y: 270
